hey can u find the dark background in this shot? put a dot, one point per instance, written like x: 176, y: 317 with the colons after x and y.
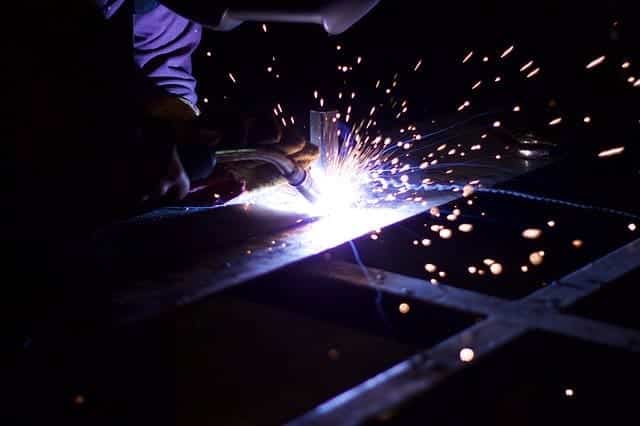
x: 562, y: 37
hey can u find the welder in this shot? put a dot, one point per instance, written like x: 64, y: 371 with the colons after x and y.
x: 100, y: 132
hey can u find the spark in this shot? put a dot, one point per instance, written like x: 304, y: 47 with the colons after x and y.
x: 231, y: 76
x: 472, y: 269
x: 531, y: 233
x: 467, y: 57
x: 535, y: 258
x: 533, y: 73
x: 209, y: 53
x: 404, y: 308
x: 496, y: 268
x: 476, y: 85
x: 637, y: 83
x: 374, y: 236
x: 205, y: 100
x: 626, y: 65
x: 611, y: 152
x: 430, y: 267
x: 498, y: 79
x: 488, y: 261
x: 555, y: 121
x: 587, y: 119
x: 466, y: 355
x: 315, y: 94
x: 417, y: 66
x: 497, y: 124
x: 338, y: 47
x: 465, y: 227
x: 445, y: 233
x: 524, y: 268
x: 577, y: 243
x: 426, y: 242
x: 551, y: 223
x: 631, y: 79
x: 526, y: 66
x: 264, y: 28
x: 596, y: 62
x: 569, y: 392
x: 485, y: 59
x: 359, y: 60
x: 632, y: 227
x: 464, y: 105
x: 507, y: 52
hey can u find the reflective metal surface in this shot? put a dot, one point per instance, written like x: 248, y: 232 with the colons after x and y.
x: 176, y: 256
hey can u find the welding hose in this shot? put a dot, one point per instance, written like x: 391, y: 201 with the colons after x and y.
x: 294, y: 174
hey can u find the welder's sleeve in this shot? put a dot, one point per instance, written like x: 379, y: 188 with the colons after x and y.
x: 163, y: 44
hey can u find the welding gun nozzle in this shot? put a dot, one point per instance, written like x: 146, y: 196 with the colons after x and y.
x: 301, y: 180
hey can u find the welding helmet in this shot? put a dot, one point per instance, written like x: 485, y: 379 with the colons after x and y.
x: 336, y: 16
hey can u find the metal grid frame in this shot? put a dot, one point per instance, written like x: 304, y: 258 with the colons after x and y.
x: 504, y: 322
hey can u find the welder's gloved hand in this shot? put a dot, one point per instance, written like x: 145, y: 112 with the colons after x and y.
x: 285, y: 141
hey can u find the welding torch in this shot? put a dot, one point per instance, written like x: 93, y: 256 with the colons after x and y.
x: 199, y: 161
x: 297, y: 176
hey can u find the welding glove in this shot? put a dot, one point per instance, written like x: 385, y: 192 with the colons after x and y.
x: 268, y: 134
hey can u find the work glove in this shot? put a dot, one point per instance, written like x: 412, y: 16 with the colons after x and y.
x: 233, y: 131
x: 268, y: 134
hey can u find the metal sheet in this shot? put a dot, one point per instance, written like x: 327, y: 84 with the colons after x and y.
x: 222, y: 247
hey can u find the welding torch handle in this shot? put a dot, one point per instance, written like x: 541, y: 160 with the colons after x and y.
x: 199, y: 161
x: 295, y: 175
x: 285, y: 166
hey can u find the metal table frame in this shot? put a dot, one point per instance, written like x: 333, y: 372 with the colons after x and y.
x: 504, y: 322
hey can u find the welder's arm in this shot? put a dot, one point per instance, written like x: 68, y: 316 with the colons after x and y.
x: 163, y: 44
